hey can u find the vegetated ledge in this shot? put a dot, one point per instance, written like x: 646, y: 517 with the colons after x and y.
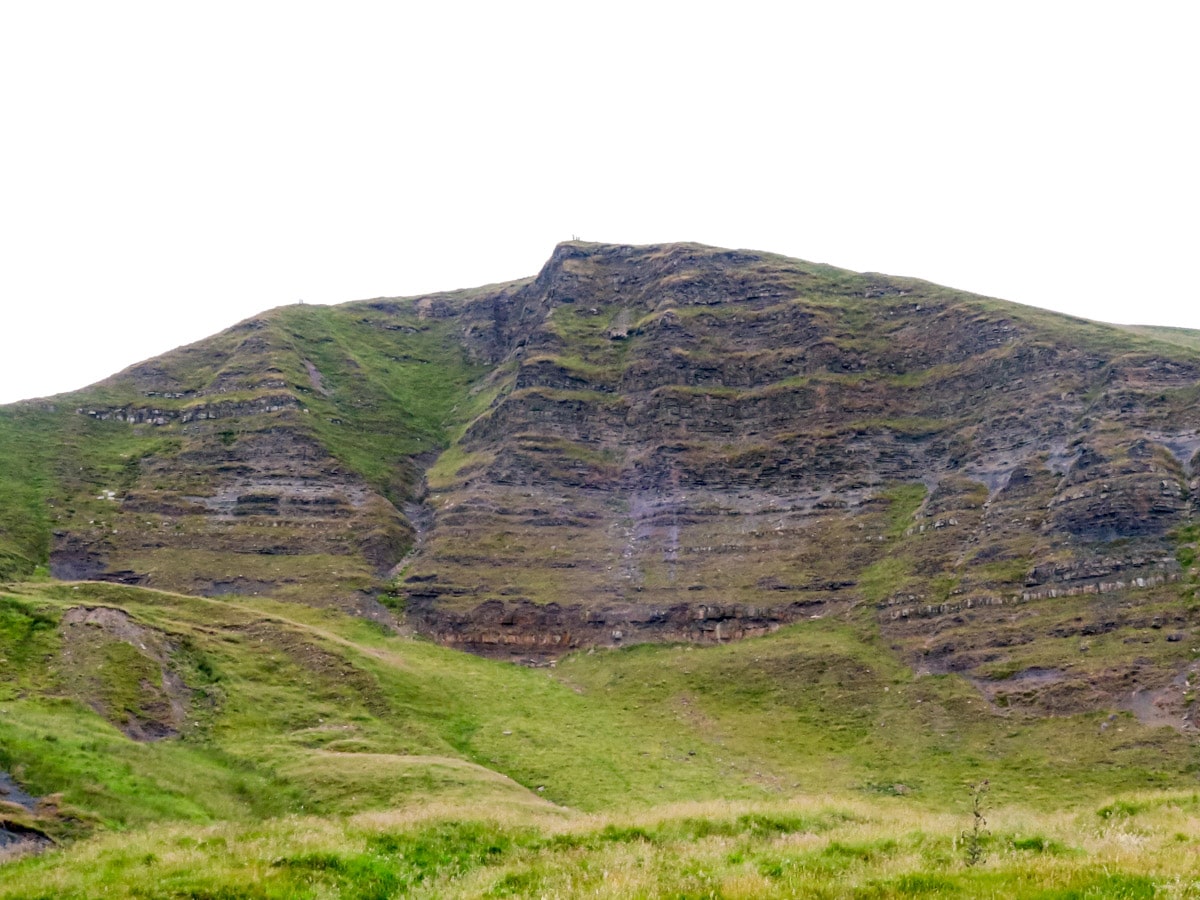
x: 535, y: 634
x: 911, y: 606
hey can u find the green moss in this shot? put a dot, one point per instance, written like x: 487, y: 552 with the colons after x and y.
x: 444, y: 472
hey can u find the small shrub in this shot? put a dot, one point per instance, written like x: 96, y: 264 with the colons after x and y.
x: 975, y: 838
x: 517, y: 884
x: 922, y: 883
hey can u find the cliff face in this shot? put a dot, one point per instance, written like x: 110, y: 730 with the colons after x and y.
x: 640, y: 443
x: 688, y: 443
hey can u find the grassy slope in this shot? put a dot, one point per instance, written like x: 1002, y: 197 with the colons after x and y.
x: 388, y: 380
x: 1182, y: 337
x: 24, y: 531
x: 54, y: 464
x: 386, y: 387
x: 394, y: 391
x: 320, y: 752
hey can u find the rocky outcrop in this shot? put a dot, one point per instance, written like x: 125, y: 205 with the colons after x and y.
x: 538, y: 633
x: 192, y: 412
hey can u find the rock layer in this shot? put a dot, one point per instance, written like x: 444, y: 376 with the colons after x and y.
x: 680, y: 428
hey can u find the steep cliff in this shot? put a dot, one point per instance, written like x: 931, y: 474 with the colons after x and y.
x: 690, y: 443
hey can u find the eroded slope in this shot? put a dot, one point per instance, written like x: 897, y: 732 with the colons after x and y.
x: 690, y: 443
x: 275, y: 458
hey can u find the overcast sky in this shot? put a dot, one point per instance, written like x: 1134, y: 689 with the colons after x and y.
x: 170, y: 168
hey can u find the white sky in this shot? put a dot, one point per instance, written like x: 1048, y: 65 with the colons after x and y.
x: 167, y: 169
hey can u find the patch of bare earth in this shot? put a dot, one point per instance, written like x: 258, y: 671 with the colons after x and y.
x: 148, y: 699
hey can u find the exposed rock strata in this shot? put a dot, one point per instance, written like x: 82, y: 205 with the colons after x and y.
x: 639, y: 434
x: 684, y: 427
x: 533, y: 633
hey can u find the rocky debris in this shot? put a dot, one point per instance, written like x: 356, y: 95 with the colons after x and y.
x: 72, y: 558
x: 315, y: 378
x: 140, y: 690
x: 1170, y: 705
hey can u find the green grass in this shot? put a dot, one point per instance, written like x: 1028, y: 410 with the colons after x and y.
x: 443, y: 472
x: 1182, y: 337
x: 904, y: 501
x: 883, y: 578
x: 798, y: 848
x: 392, y: 392
x: 25, y: 444
x: 57, y: 467
x: 296, y: 713
x: 816, y: 705
x: 1186, y: 540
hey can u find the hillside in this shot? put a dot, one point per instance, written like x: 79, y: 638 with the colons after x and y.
x: 875, y: 540
x: 668, y: 442
x: 226, y: 747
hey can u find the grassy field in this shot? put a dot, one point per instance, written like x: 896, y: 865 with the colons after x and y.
x: 802, y: 848
x: 316, y: 755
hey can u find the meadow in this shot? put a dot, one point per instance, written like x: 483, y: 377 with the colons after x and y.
x: 305, y: 753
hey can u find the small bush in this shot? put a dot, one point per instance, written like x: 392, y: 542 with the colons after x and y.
x: 974, y: 840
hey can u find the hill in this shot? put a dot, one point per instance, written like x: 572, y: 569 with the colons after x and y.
x: 641, y: 443
x: 876, y: 541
